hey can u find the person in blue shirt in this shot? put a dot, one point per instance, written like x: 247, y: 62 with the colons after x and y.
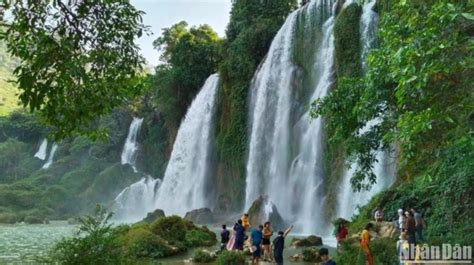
x: 324, y: 254
x: 256, y: 239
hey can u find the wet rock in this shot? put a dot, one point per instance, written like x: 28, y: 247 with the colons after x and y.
x: 263, y: 210
x: 153, y: 216
x: 200, y: 216
x: 310, y: 241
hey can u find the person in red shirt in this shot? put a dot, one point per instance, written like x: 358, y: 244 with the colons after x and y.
x: 341, y: 233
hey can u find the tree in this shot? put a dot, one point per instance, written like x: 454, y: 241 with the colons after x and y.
x: 78, y: 59
x: 189, y: 56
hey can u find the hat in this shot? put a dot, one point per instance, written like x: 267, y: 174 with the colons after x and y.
x: 400, y: 211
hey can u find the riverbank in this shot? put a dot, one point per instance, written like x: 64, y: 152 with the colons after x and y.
x: 22, y: 243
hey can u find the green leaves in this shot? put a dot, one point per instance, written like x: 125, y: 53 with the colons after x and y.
x: 418, y: 85
x: 77, y: 61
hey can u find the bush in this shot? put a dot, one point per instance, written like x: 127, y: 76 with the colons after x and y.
x: 96, y: 243
x: 142, y: 243
x: 171, y: 228
x: 203, y: 256
x: 231, y: 258
x: 31, y: 219
x: 8, y: 218
x: 200, y: 237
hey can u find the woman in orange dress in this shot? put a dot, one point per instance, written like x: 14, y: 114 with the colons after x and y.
x: 364, y: 244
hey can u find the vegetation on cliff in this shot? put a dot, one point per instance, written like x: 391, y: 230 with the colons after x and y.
x: 418, y: 87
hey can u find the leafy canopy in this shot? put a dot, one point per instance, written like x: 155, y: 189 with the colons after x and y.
x: 417, y: 92
x: 189, y: 56
x: 78, y: 59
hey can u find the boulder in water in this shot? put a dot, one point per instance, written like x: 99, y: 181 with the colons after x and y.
x: 310, y: 241
x: 153, y: 216
x: 200, y: 216
x: 263, y: 210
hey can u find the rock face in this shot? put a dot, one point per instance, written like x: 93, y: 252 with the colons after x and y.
x: 153, y: 216
x: 386, y: 229
x: 200, y: 216
x: 310, y: 241
x: 263, y: 210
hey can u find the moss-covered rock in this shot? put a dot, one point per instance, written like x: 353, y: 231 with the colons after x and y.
x: 311, y: 255
x: 310, y: 241
x: 200, y: 216
x: 203, y: 256
x: 258, y: 214
x: 143, y: 243
x: 153, y: 216
x: 347, y: 42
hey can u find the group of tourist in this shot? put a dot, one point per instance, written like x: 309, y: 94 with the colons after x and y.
x: 260, y: 241
x: 409, y: 223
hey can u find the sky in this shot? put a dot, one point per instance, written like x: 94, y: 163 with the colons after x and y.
x: 164, y: 13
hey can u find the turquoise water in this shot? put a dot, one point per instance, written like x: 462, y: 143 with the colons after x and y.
x: 21, y: 243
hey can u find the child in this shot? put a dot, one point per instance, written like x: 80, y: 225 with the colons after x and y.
x: 225, y: 237
x: 324, y: 254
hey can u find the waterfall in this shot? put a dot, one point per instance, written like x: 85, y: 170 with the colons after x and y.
x: 187, y: 175
x: 349, y: 201
x: 51, y: 156
x: 130, y: 147
x: 284, y: 160
x: 135, y: 201
x: 41, y: 153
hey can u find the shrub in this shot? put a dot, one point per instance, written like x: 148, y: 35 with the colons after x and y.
x: 31, y: 219
x: 171, y: 228
x: 231, y: 258
x: 95, y: 243
x: 200, y: 237
x: 8, y: 218
x: 142, y: 243
x: 203, y: 256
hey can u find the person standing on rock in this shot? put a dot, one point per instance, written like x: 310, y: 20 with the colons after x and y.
x: 245, y: 221
x: 378, y: 215
x: 239, y: 235
x: 341, y: 233
x: 267, y: 234
x: 256, y: 238
x: 401, y: 221
x: 324, y: 254
x: 225, y: 237
x: 419, y: 224
x: 279, y: 245
x: 411, y: 230
x: 364, y: 244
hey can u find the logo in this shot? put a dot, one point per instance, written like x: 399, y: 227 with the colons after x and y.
x: 444, y: 254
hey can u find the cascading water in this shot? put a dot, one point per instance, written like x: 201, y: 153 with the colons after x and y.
x: 284, y: 160
x: 349, y: 201
x: 135, y: 201
x: 187, y: 175
x: 130, y: 147
x: 42, y: 151
x: 50, y: 160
